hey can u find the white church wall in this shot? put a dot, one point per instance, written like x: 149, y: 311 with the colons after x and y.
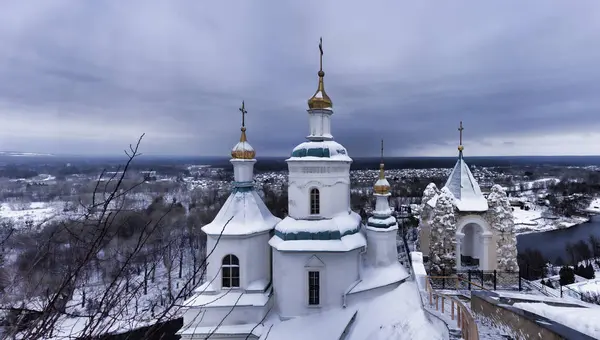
x: 253, y: 255
x: 211, y: 316
x: 257, y: 253
x: 320, y: 123
x: 243, y: 169
x: 382, y: 249
x: 331, y: 178
x: 290, y: 280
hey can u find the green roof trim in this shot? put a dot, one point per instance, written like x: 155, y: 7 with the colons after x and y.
x: 243, y: 184
x: 320, y: 236
x: 381, y: 225
x: 237, y: 189
x: 380, y: 217
x: 312, y: 152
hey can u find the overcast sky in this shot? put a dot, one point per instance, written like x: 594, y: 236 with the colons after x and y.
x: 88, y: 77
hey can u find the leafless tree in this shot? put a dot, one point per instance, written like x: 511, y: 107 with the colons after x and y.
x: 92, y: 275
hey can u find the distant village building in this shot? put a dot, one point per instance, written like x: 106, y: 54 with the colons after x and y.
x: 460, y: 228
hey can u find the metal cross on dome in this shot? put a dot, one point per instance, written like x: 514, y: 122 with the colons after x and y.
x: 244, y: 112
x: 460, y: 130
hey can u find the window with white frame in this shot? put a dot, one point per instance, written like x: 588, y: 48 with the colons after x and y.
x: 315, y: 201
x: 314, y: 288
x: 230, y: 271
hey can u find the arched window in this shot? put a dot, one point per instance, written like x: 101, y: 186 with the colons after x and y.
x: 230, y: 270
x: 315, y: 201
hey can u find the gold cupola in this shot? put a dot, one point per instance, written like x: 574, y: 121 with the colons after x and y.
x: 243, y: 149
x: 382, y: 186
x: 320, y: 100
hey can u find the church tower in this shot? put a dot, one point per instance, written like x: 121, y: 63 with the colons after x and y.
x: 239, y: 263
x: 317, y: 247
x: 382, y: 227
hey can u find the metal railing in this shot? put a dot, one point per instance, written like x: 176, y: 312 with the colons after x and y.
x: 489, y: 280
x: 458, y: 311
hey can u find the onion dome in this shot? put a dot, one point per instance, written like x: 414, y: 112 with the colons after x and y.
x: 382, y: 186
x: 243, y: 149
x: 320, y: 100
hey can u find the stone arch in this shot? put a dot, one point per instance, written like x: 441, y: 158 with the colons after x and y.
x: 473, y: 241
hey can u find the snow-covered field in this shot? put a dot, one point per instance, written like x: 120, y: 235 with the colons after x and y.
x: 34, y: 213
x: 527, y: 221
x: 594, y: 206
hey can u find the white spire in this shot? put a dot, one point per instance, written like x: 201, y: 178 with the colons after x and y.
x: 382, y: 215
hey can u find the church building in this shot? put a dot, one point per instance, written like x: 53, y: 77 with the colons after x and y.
x: 461, y: 229
x: 264, y: 272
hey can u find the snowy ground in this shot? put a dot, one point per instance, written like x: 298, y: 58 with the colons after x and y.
x: 34, y: 214
x: 584, y: 320
x: 133, y: 308
x: 594, y: 206
x: 527, y: 221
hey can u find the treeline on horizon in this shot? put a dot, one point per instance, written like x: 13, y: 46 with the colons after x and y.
x: 26, y: 167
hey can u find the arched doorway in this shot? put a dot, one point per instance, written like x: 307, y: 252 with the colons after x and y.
x: 473, y: 238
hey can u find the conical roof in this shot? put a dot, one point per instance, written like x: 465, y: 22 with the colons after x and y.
x: 464, y: 188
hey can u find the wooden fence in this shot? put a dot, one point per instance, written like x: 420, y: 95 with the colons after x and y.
x: 458, y: 311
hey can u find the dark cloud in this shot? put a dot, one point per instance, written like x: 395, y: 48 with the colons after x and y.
x: 91, y: 76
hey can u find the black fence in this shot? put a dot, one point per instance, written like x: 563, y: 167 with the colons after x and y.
x: 477, y: 280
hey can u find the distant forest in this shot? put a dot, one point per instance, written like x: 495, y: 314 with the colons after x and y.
x: 27, y: 167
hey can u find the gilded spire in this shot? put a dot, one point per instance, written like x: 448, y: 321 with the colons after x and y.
x: 460, y: 131
x: 243, y: 111
x: 243, y: 149
x: 382, y: 186
x: 381, y: 166
x: 320, y: 100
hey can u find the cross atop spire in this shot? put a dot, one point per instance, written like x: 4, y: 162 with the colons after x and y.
x: 243, y: 111
x: 381, y: 166
x: 320, y: 100
x: 321, y: 57
x: 243, y: 149
x: 460, y: 131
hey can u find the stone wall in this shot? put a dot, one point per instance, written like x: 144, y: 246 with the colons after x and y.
x: 522, y: 324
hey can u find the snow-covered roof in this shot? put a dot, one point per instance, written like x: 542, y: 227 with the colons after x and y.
x: 248, y: 214
x: 346, y: 243
x: 375, y: 277
x: 464, y: 188
x: 228, y: 298
x: 342, y: 223
x: 329, y: 325
x: 320, y: 151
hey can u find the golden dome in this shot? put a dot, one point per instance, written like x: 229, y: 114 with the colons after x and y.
x: 320, y: 100
x: 243, y: 149
x: 382, y: 186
